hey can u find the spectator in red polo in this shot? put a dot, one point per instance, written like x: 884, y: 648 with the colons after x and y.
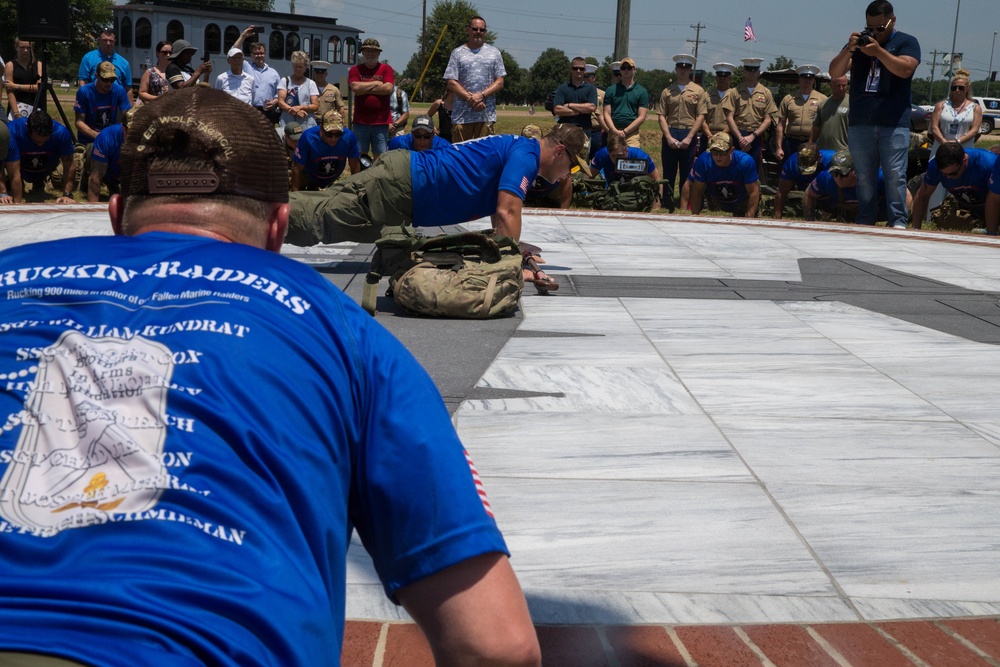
x: 372, y: 83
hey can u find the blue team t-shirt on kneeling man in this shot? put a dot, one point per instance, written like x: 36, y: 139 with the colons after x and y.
x: 726, y: 185
x: 325, y: 163
x: 196, y: 428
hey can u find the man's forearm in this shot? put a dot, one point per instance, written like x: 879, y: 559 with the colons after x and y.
x: 840, y: 63
x: 69, y: 174
x: 94, y: 182
x: 809, y: 207
x: 919, y: 208
x: 696, y: 194
x: 992, y: 213
x: 753, y: 200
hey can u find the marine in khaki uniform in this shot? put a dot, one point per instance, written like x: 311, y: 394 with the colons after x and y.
x: 715, y: 118
x: 797, y: 112
x: 329, y: 94
x: 748, y: 112
x: 682, y: 109
x: 597, y: 129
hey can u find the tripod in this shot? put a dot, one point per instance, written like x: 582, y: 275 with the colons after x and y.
x: 45, y: 85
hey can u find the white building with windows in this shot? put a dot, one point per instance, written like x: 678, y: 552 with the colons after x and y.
x: 213, y: 32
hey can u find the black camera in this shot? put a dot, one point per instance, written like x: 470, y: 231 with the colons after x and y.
x: 865, y: 36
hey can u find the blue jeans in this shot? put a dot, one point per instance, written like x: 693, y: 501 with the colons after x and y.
x: 874, y: 146
x: 375, y: 137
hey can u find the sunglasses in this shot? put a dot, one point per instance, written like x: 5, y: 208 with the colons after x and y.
x: 579, y: 69
x: 751, y: 69
x: 627, y: 67
x: 333, y: 134
x: 958, y: 87
x: 684, y: 65
x: 837, y: 174
x: 879, y: 28
x: 950, y: 174
x: 423, y: 136
x: 478, y: 29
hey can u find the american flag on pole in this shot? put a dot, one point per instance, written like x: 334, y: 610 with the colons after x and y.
x: 748, y: 32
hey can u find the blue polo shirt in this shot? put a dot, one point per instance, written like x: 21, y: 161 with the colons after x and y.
x: 790, y: 170
x: 405, y: 141
x: 325, y: 163
x: 90, y: 61
x: 973, y: 183
x: 607, y: 165
x: 108, y: 150
x: 37, y: 162
x: 100, y: 111
x: 879, y: 97
x: 726, y: 185
x: 463, y: 181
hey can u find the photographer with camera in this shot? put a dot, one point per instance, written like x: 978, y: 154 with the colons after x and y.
x: 881, y: 61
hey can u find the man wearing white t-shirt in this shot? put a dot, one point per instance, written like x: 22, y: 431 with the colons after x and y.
x: 475, y: 75
x: 236, y: 81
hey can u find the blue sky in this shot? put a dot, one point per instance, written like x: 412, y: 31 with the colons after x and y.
x: 809, y: 32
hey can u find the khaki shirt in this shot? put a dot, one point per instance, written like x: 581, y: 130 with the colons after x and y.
x: 716, y: 116
x: 749, y: 109
x: 594, y: 123
x: 329, y: 99
x: 682, y: 107
x: 798, y: 114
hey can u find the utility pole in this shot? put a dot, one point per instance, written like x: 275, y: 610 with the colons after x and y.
x: 621, y: 28
x: 697, y: 37
x: 291, y: 6
x: 423, y: 47
x: 930, y: 92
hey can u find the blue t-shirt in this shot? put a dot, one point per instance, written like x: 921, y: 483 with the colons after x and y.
x: 405, y: 141
x: 972, y: 185
x: 108, y: 149
x: 726, y: 185
x: 790, y: 170
x: 100, y: 111
x: 603, y: 162
x: 463, y: 181
x: 879, y: 97
x: 91, y: 60
x: 194, y: 427
x: 37, y: 162
x: 833, y: 199
x: 324, y: 163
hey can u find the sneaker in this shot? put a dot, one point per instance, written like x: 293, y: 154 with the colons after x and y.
x: 899, y: 225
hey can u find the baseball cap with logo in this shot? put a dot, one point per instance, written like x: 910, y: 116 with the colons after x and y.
x: 576, y: 141
x: 808, y: 159
x: 532, y: 131
x: 202, y: 141
x: 842, y: 163
x: 107, y: 72
x: 333, y: 121
x: 423, y: 123
x: 293, y: 130
x: 371, y: 43
x: 720, y: 142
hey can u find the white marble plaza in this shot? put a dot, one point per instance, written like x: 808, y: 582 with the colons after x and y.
x: 724, y: 460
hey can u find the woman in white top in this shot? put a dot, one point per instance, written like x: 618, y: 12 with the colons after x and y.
x: 298, y: 96
x: 955, y: 118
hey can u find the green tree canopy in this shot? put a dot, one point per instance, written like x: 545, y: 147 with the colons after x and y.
x: 455, y: 14
x: 550, y: 71
x: 781, y: 62
x: 514, y: 83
